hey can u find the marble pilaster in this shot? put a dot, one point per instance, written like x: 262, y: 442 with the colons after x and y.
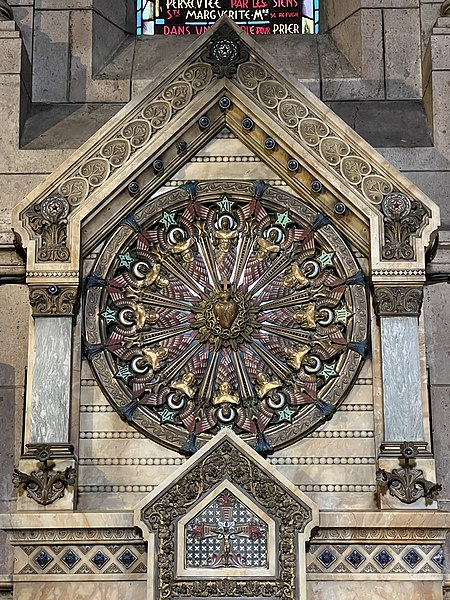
x: 51, y: 380
x: 401, y: 378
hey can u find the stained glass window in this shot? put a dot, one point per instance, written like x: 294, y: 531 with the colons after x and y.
x: 256, y: 17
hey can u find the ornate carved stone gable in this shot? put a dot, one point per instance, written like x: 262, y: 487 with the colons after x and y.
x: 251, y: 524
x: 226, y: 79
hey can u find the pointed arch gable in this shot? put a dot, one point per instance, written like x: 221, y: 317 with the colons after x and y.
x: 382, y: 204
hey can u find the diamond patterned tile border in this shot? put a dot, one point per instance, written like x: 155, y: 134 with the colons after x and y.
x: 326, y: 558
x: 439, y: 559
x: 412, y: 558
x: 70, y: 559
x: 355, y: 559
x: 43, y: 559
x: 99, y: 559
x: 127, y: 558
x: 383, y: 558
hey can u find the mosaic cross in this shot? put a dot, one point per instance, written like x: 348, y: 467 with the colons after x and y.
x: 227, y: 531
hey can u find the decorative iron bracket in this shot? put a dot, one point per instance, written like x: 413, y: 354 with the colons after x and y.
x: 45, y: 485
x: 407, y: 483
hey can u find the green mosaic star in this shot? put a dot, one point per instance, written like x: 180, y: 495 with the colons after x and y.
x: 223, y: 426
x: 326, y: 259
x: 283, y: 219
x: 125, y: 260
x: 286, y: 414
x: 168, y: 219
x: 124, y: 373
x: 329, y: 371
x: 342, y: 315
x: 109, y: 315
x: 225, y: 204
x: 166, y: 415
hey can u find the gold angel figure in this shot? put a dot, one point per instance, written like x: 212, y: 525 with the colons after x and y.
x: 155, y: 356
x: 306, y: 317
x: 144, y: 317
x: 225, y: 235
x: 295, y: 355
x: 293, y: 277
x: 267, y: 246
x: 264, y: 384
x: 183, y: 246
x: 154, y: 276
x: 185, y: 385
x: 224, y: 395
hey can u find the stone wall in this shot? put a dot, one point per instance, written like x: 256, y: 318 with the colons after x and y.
x: 377, y: 58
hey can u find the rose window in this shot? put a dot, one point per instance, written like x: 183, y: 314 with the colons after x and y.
x: 226, y: 305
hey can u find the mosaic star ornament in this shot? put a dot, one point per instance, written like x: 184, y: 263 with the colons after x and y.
x: 226, y: 311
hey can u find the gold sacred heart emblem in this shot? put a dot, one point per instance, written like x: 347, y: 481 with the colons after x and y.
x: 226, y: 311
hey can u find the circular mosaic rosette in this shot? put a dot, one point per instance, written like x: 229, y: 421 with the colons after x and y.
x: 226, y: 305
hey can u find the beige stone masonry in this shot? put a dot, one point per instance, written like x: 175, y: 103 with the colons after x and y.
x: 436, y: 83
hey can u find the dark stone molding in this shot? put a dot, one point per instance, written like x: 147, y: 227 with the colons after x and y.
x: 394, y: 301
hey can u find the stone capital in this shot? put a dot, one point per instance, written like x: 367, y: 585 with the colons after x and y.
x: 398, y: 300
x: 53, y: 300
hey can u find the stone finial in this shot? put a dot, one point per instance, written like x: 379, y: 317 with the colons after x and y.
x: 445, y: 8
x: 6, y: 13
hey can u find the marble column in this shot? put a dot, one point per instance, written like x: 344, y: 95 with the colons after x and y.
x: 50, y: 395
x: 47, y: 432
x: 402, y: 392
x: 51, y: 364
x: 398, y: 308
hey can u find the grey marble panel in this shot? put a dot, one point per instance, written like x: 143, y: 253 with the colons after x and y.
x: 51, y: 380
x: 401, y: 379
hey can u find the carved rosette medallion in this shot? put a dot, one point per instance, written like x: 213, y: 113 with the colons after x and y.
x: 226, y: 305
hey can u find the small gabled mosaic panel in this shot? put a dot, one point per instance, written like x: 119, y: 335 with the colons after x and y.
x: 372, y: 558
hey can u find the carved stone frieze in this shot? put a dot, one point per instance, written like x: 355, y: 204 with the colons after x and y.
x: 423, y: 534
x: 403, y: 218
x: 135, y: 133
x: 44, y: 485
x: 53, y: 300
x: 72, y: 535
x: 398, y: 300
x: 48, y: 222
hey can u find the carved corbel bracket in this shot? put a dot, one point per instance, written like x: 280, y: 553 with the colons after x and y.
x: 403, y: 220
x: 53, y: 300
x: 45, y: 485
x: 445, y: 9
x: 407, y: 483
x: 47, y: 221
x: 398, y: 300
